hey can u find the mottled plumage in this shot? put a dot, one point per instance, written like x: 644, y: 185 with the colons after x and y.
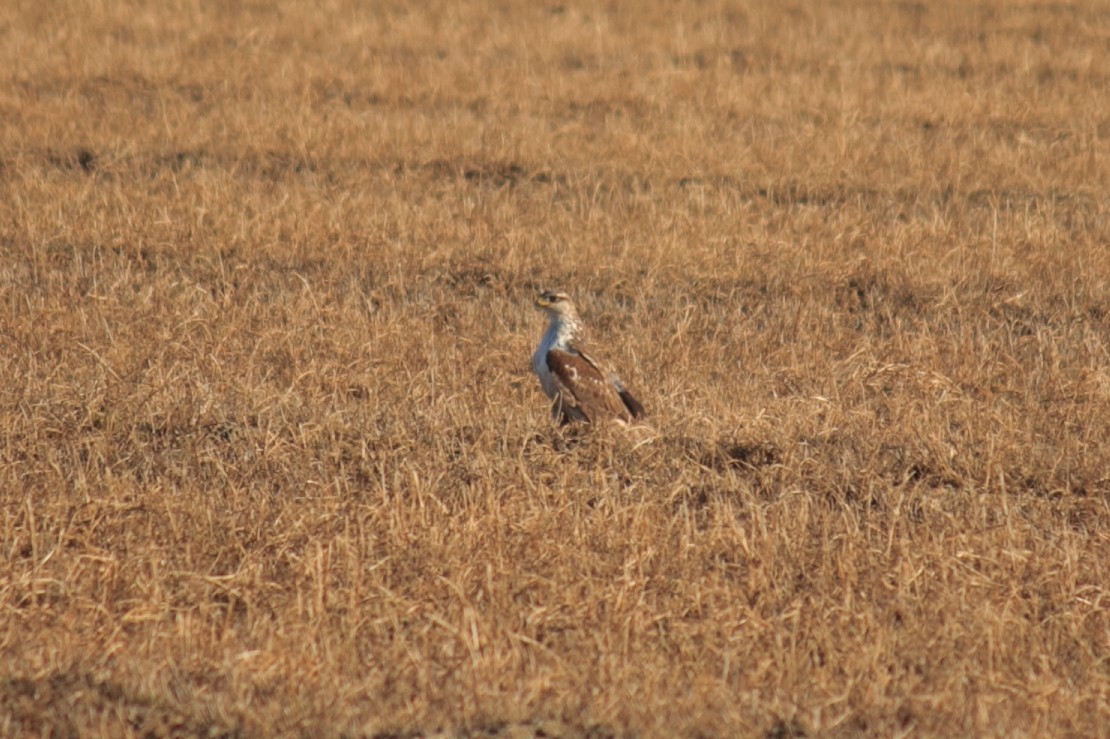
x: 580, y: 388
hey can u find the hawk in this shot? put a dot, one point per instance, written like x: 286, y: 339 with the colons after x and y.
x: 581, y: 388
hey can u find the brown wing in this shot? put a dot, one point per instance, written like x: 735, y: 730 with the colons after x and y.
x: 585, y: 391
x: 634, y: 408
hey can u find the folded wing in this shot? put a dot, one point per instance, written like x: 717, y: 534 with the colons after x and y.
x: 586, y: 392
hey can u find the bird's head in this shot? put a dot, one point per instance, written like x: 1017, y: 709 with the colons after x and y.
x: 555, y: 303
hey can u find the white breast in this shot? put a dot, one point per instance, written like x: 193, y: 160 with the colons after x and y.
x: 539, y: 361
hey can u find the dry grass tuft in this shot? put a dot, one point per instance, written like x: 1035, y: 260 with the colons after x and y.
x: 273, y: 460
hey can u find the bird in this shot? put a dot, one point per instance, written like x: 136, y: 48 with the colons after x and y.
x: 581, y: 388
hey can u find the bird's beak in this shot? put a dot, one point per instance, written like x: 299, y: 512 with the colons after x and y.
x: 542, y: 302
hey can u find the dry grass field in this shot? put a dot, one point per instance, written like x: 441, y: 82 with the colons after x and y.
x: 273, y: 460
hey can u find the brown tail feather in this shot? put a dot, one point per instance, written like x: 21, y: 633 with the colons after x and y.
x: 635, y: 407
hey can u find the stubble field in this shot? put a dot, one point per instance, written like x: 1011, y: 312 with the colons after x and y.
x: 273, y: 461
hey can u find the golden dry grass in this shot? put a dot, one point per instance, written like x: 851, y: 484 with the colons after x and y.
x: 273, y: 461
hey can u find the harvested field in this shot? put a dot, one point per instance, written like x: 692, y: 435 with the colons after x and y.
x: 273, y: 460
